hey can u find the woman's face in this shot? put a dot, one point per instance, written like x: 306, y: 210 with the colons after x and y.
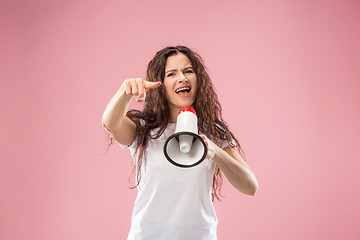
x: 180, y: 82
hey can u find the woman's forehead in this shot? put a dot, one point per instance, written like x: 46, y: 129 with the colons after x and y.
x: 177, y: 61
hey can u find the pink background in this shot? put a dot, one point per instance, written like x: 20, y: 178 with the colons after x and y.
x: 286, y: 73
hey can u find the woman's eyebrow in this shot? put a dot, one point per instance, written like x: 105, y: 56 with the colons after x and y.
x: 188, y: 67
x: 170, y: 70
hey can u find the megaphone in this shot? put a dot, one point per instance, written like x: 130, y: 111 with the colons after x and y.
x: 185, y: 148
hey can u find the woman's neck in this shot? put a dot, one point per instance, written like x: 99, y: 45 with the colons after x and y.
x: 173, y: 114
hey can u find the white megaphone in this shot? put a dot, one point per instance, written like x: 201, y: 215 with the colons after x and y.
x: 185, y: 148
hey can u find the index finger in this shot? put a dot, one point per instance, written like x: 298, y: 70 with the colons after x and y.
x: 148, y: 84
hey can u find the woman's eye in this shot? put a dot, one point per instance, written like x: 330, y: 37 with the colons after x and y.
x: 189, y: 71
x: 170, y: 74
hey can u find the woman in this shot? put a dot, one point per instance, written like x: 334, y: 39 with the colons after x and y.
x: 172, y: 202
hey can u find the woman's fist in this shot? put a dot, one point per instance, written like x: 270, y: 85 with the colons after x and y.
x: 212, y: 147
x: 137, y: 87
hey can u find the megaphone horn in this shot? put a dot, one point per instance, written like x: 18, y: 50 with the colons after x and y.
x: 185, y: 148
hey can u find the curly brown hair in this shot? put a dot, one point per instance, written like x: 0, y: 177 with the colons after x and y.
x: 156, y: 112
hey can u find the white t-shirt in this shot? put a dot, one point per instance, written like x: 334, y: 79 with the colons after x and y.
x: 172, y: 203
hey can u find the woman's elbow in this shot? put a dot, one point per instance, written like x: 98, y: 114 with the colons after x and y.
x: 252, y: 187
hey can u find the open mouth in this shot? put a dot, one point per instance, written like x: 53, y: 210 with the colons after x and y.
x: 183, y: 91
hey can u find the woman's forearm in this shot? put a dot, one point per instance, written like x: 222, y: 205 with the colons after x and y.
x: 116, y: 109
x: 236, y: 171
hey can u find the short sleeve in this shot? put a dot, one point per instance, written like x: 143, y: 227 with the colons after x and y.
x: 131, y: 146
x: 224, y: 143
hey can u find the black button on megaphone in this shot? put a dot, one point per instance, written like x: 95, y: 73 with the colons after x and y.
x: 185, y: 148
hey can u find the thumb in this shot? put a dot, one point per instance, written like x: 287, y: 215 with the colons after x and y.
x: 148, y: 84
x: 203, y: 136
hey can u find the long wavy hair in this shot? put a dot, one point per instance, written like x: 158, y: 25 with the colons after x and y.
x: 156, y: 112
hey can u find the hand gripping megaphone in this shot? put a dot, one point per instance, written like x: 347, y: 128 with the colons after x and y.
x: 185, y: 148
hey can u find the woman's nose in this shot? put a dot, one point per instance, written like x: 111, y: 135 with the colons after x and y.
x: 182, y: 78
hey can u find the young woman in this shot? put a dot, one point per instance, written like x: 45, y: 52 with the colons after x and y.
x: 172, y: 202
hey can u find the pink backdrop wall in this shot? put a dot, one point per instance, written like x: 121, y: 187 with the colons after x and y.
x: 287, y: 75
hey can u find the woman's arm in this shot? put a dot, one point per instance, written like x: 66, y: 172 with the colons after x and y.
x: 114, y: 119
x: 235, y: 169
